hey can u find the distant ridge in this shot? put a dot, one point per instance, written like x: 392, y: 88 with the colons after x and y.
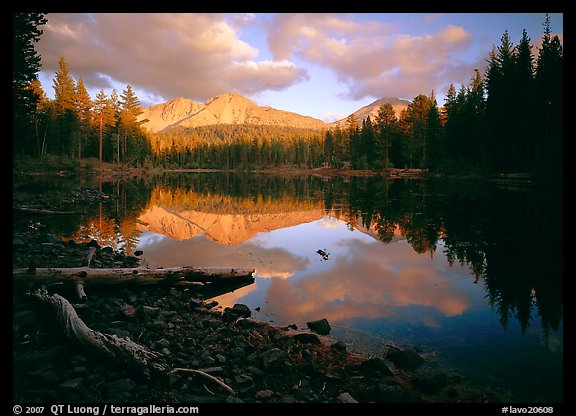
x: 372, y: 110
x: 221, y: 109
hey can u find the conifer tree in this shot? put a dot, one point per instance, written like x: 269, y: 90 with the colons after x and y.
x: 367, y: 143
x: 65, y: 102
x: 434, y: 136
x: 549, y: 90
x: 386, y: 126
x: 83, y: 115
x: 25, y: 66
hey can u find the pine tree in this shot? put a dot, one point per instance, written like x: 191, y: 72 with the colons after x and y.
x: 105, y: 116
x: 499, y: 77
x: 367, y: 144
x: 25, y: 66
x: 41, y: 116
x: 64, y: 88
x: 434, y: 136
x: 65, y: 102
x: 130, y: 131
x: 386, y: 127
x: 549, y: 90
x: 523, y: 112
x: 415, y: 118
x: 329, y: 148
x: 83, y: 115
x: 353, y: 137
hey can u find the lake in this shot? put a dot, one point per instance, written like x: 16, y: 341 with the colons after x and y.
x: 471, y: 273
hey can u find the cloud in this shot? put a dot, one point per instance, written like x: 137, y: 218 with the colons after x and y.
x: 169, y: 55
x: 367, y: 284
x: 273, y: 263
x: 372, y: 58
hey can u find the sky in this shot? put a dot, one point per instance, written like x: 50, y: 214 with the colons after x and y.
x: 323, y: 65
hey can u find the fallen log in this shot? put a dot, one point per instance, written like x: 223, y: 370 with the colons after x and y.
x: 137, y: 275
x: 205, y: 279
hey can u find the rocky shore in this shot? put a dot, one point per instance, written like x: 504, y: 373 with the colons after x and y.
x: 258, y: 362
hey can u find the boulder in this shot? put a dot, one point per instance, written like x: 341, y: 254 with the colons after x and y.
x: 320, y: 326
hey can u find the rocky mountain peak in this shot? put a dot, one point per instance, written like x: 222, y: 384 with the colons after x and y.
x: 372, y: 110
x: 227, y: 108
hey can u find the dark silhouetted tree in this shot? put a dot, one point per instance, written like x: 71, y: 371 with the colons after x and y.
x: 25, y: 66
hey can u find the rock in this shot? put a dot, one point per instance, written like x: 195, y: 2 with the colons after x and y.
x: 232, y: 399
x: 213, y: 370
x: 138, y: 253
x: 264, y: 394
x: 46, y: 377
x: 320, y: 326
x: 128, y: 311
x: 338, y: 346
x: 80, y: 370
x: 17, y: 243
x: 163, y: 343
x: 211, y: 304
x: 72, y: 383
x: 390, y: 393
x: 376, y: 364
x: 430, y: 379
x: 307, y: 338
x: 243, y: 379
x: 246, y: 323
x: 195, y: 303
x: 407, y: 359
x: 346, y: 398
x: 288, y: 399
x: 239, y: 310
x: 120, y: 389
x: 273, y: 358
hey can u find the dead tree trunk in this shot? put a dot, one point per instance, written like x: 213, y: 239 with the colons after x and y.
x: 84, y: 277
x: 120, y: 350
x: 136, y: 275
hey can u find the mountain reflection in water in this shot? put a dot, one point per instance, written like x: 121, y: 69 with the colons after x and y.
x: 473, y: 272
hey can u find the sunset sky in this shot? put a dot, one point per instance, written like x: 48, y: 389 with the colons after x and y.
x: 321, y: 65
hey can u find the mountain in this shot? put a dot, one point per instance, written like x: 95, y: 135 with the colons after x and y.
x: 225, y: 229
x: 222, y: 109
x: 372, y: 110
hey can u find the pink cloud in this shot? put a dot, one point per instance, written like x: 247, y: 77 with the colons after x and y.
x: 202, y: 53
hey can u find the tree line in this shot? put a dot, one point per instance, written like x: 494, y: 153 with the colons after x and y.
x: 509, y: 119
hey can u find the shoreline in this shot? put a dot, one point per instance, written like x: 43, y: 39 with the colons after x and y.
x: 109, y: 170
x: 261, y: 362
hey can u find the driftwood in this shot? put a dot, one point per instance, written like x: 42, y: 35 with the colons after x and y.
x: 83, y: 277
x: 210, y: 377
x: 136, y: 275
x: 119, y: 350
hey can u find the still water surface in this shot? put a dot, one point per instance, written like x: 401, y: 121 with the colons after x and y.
x: 468, y: 272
